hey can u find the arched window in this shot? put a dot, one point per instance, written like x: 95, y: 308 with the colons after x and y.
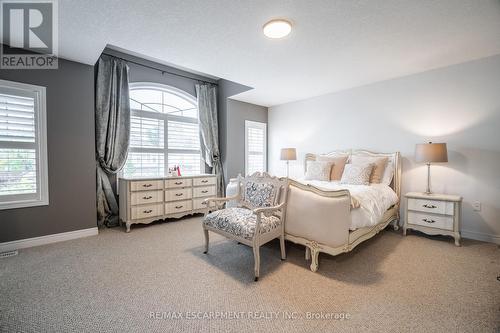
x: 163, y: 131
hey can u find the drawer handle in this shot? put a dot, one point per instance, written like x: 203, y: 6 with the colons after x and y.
x: 178, y: 207
x: 179, y: 194
x: 147, y: 211
x: 204, y: 181
x: 147, y: 185
x: 429, y: 206
x: 205, y: 191
x: 428, y: 221
x: 178, y: 183
x: 204, y: 203
x: 148, y: 197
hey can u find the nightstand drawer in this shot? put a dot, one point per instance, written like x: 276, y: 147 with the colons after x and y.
x: 431, y: 220
x: 431, y: 206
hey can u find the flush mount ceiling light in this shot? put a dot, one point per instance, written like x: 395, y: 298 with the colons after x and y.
x: 277, y: 28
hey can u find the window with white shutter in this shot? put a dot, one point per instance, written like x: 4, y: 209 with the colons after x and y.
x: 164, y: 132
x: 23, y: 146
x: 255, y: 147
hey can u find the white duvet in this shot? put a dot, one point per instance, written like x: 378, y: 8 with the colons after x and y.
x: 374, y: 200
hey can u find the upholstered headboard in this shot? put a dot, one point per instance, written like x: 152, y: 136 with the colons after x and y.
x: 395, y: 158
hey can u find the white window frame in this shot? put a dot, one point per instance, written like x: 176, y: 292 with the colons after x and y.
x: 165, y: 117
x: 259, y: 125
x: 41, y: 197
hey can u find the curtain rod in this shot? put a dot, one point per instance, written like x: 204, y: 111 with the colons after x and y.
x: 160, y: 70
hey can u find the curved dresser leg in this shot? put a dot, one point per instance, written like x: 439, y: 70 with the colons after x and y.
x: 314, y: 260
x: 457, y: 239
x: 128, y: 226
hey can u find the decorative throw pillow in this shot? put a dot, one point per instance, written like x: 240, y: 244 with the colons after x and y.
x: 357, y: 174
x: 338, y: 165
x: 316, y: 170
x: 379, y: 164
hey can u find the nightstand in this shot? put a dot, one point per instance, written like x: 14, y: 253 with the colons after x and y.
x: 433, y: 214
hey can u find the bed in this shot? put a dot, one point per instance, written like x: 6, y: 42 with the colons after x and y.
x: 333, y: 218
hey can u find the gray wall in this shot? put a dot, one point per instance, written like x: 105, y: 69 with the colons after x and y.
x: 71, y: 157
x: 226, y: 90
x: 237, y: 113
x: 459, y: 105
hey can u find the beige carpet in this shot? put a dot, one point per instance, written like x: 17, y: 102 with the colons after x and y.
x: 115, y: 281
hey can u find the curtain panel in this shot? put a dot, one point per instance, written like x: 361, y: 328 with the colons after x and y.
x: 112, y: 131
x: 209, y: 131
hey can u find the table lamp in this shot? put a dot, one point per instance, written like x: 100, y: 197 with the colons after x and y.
x: 288, y: 154
x: 430, y: 153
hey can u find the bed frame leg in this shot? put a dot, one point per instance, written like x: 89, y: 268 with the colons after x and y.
x: 314, y: 261
x: 396, y: 225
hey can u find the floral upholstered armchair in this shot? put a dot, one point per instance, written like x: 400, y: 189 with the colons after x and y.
x: 258, y: 218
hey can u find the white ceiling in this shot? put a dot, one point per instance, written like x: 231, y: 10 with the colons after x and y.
x: 334, y: 44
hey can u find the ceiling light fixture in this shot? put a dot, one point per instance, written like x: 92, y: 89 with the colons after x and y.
x: 277, y: 28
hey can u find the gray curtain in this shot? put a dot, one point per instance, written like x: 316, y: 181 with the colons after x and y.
x: 209, y: 131
x: 112, y: 132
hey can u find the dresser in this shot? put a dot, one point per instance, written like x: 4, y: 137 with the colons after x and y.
x: 433, y: 214
x: 144, y: 200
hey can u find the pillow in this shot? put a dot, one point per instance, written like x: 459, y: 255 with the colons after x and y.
x: 318, y: 170
x: 338, y: 165
x: 357, y: 174
x: 379, y: 164
x: 388, y: 174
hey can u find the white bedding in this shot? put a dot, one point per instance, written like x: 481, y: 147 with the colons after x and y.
x: 374, y: 200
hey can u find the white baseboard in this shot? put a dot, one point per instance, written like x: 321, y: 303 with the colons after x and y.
x: 48, y: 239
x: 480, y: 236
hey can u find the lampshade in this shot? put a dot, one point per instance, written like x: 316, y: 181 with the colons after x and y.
x: 431, y: 152
x: 288, y: 154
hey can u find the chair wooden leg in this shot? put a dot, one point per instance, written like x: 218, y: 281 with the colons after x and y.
x: 282, y: 247
x: 256, y: 256
x: 205, y: 231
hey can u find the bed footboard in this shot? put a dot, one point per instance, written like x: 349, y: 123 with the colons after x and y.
x: 318, y: 219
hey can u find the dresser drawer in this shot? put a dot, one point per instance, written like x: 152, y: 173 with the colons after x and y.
x: 203, y: 181
x: 198, y: 203
x: 144, y: 197
x: 178, y: 194
x: 178, y: 206
x: 431, y: 206
x: 142, y: 212
x: 146, y: 185
x: 181, y: 182
x: 431, y: 220
x: 207, y: 191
